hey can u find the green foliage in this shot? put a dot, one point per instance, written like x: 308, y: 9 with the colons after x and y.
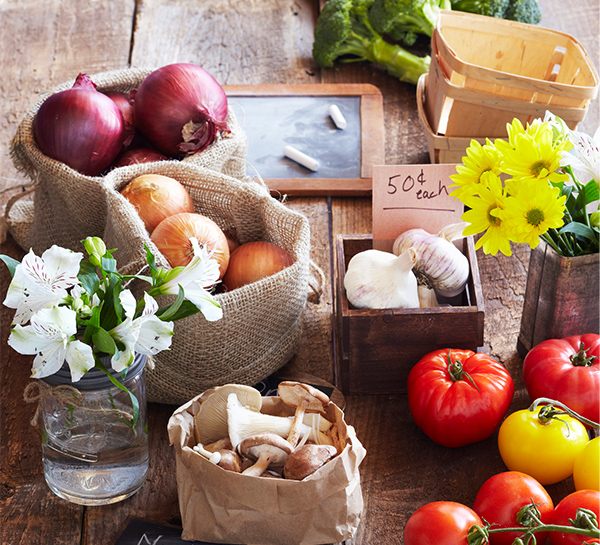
x: 344, y: 33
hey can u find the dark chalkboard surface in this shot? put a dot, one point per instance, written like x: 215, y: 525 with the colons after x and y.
x: 273, y: 116
x: 141, y: 532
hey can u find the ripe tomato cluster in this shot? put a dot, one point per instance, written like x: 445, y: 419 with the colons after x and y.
x: 458, y: 397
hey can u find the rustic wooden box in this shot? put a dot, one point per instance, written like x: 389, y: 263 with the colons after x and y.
x: 376, y: 349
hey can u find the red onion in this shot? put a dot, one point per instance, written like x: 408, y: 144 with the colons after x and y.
x: 80, y: 127
x: 134, y: 156
x: 180, y: 108
x: 123, y: 101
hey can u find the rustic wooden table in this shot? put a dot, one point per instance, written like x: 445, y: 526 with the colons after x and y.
x: 44, y: 43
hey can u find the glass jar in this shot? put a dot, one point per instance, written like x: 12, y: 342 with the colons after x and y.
x: 93, y: 452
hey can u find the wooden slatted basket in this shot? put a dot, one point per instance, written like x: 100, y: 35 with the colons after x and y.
x: 486, y: 71
x: 442, y: 149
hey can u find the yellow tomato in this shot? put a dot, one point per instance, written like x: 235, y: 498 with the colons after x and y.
x: 546, y: 451
x: 586, y: 471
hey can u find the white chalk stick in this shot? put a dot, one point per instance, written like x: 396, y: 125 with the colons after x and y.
x: 337, y: 117
x: 301, y: 158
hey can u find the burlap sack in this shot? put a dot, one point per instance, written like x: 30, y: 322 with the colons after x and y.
x: 261, y: 321
x: 68, y: 206
x: 221, y: 506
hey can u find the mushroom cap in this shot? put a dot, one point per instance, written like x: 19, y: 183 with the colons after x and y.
x: 230, y: 460
x: 293, y: 393
x: 210, y: 422
x: 266, y: 443
x: 305, y: 460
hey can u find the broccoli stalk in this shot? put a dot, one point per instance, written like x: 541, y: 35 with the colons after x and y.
x: 343, y: 28
x: 491, y: 8
x: 404, y: 20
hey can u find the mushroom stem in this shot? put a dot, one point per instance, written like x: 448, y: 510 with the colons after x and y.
x: 259, y: 467
x: 295, y: 430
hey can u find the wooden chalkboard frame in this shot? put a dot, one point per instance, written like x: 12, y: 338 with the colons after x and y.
x: 372, y: 143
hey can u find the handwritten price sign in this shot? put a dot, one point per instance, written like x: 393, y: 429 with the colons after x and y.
x: 410, y: 196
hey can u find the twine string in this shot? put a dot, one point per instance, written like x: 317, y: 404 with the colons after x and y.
x: 66, y: 395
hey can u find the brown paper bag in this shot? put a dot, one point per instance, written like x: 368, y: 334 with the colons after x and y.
x: 226, y: 507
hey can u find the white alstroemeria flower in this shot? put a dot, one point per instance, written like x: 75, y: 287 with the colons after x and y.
x: 50, y: 336
x: 202, y: 271
x: 585, y: 155
x: 146, y: 334
x: 42, y: 282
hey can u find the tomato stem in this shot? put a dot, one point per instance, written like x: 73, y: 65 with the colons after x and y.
x: 457, y: 372
x: 581, y: 359
x: 585, y: 524
x: 550, y: 412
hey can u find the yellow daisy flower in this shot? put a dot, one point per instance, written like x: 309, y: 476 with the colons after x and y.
x: 484, y: 215
x: 479, y: 159
x: 534, y: 157
x: 537, y: 208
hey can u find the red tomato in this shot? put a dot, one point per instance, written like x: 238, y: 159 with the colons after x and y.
x: 501, y: 497
x: 458, y: 397
x: 567, y: 508
x: 557, y: 369
x: 440, y: 523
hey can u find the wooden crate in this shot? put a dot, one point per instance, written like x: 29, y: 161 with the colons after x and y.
x: 376, y: 349
x: 486, y: 71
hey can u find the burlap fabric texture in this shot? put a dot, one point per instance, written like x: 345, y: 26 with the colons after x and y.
x: 68, y: 206
x: 261, y: 323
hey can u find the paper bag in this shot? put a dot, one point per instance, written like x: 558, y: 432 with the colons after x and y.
x: 226, y: 507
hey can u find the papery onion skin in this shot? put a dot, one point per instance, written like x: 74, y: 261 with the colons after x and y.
x: 124, y: 104
x: 135, y: 156
x: 252, y: 261
x: 156, y: 197
x: 172, y: 238
x: 80, y: 127
x: 180, y: 108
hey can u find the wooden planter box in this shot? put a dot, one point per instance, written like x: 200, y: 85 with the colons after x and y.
x: 376, y: 349
x: 561, y: 297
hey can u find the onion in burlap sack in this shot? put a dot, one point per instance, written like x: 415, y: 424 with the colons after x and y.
x: 69, y: 206
x: 261, y: 323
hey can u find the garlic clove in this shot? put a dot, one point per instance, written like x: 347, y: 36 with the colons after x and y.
x: 427, y: 297
x: 442, y: 264
x: 377, y: 280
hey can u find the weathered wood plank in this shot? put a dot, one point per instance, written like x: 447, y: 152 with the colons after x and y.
x: 42, y: 44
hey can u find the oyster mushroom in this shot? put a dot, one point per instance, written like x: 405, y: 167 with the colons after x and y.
x: 267, y: 449
x: 304, y: 398
x: 210, y: 422
x: 305, y: 460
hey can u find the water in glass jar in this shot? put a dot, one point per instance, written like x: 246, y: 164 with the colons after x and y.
x: 96, y: 463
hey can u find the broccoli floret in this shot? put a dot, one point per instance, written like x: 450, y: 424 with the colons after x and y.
x: 404, y: 20
x: 491, y: 8
x: 343, y: 32
x: 524, y: 11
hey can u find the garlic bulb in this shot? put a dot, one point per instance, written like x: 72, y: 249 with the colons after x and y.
x: 440, y: 263
x: 427, y: 298
x: 377, y: 279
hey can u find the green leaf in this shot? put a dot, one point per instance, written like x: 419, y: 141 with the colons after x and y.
x: 591, y: 191
x: 104, y: 342
x: 134, y: 401
x: 168, y: 312
x: 186, y: 309
x: 10, y: 262
x: 88, y: 277
x: 109, y: 264
x: 580, y: 230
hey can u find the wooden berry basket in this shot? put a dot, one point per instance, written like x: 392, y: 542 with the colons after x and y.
x: 377, y: 348
x: 442, y: 149
x: 485, y: 71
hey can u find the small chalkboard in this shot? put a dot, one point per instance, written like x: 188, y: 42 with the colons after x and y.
x: 142, y: 532
x: 273, y: 116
